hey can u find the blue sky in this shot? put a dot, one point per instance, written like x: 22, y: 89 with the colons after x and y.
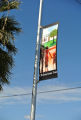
x: 60, y: 105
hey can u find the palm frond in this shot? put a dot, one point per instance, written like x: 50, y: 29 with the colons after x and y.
x: 10, y: 48
x: 10, y: 30
x: 6, y: 63
x: 11, y: 4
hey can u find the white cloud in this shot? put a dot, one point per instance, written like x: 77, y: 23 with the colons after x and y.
x: 15, y: 99
x: 55, y: 97
x: 27, y: 117
x: 61, y: 96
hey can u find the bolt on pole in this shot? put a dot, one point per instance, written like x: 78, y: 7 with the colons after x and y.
x: 35, y: 77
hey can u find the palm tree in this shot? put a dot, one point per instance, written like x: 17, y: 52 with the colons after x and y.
x: 53, y: 33
x: 9, y: 27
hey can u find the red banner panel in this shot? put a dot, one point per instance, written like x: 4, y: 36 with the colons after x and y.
x: 48, y: 52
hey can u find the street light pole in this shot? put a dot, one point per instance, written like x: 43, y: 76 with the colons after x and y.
x: 35, y: 77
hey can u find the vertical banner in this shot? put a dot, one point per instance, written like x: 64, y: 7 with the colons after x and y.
x: 48, y: 52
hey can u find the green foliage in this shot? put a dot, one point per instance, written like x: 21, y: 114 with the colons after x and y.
x: 6, y: 63
x: 9, y: 28
x: 53, y: 33
x: 7, y: 5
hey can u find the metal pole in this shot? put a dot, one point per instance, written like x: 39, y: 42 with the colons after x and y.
x: 35, y: 77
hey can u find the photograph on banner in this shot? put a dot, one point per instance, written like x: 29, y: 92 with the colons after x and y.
x: 48, y: 52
